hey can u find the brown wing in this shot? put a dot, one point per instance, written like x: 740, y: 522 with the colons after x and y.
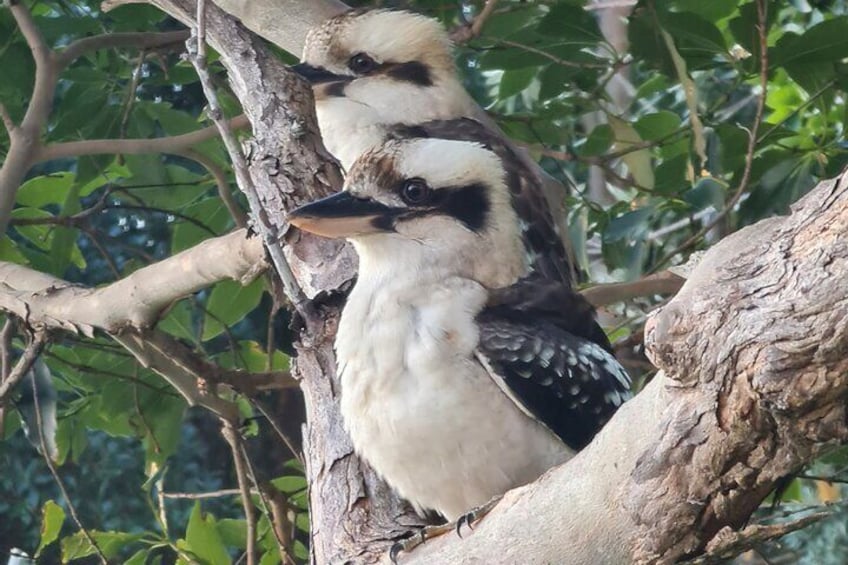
x: 542, y: 241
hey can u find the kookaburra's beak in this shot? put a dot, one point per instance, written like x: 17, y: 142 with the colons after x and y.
x: 342, y: 215
x: 317, y: 75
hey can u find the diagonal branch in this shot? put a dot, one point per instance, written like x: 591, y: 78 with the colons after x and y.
x: 127, y: 308
x: 19, y: 371
x: 25, y: 139
x: 134, y: 301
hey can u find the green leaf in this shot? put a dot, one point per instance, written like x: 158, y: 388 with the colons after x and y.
x: 706, y: 192
x: 39, y: 235
x: 251, y: 356
x: 178, y: 322
x: 714, y: 10
x: 697, y: 39
x: 639, y: 161
x: 515, y: 81
x: 653, y: 127
x: 9, y: 251
x: 555, y: 79
x: 598, y: 141
x: 110, y: 544
x: 630, y: 226
x: 671, y: 175
x: 233, y: 532
x: 163, y: 415
x: 744, y: 30
x: 203, y: 539
x: 514, y: 22
x: 212, y: 215
x: 48, y: 189
x: 52, y: 518
x: 64, y: 241
x: 290, y: 483
x: 138, y: 558
x: 571, y: 23
x: 824, y: 42
x: 228, y: 304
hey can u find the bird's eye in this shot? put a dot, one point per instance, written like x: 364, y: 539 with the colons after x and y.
x: 415, y: 192
x: 361, y: 64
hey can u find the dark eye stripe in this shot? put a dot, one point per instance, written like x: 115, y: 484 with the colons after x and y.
x: 467, y: 204
x: 413, y: 71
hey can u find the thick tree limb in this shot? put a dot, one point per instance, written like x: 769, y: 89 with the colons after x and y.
x: 135, y: 300
x: 754, y: 385
x: 127, y: 309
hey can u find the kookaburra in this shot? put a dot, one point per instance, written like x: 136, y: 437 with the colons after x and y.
x: 457, y: 384
x: 373, y: 71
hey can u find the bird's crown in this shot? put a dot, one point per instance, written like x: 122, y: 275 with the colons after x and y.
x: 396, y: 43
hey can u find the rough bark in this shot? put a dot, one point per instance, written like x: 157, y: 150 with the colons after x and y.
x: 753, y: 382
x: 135, y: 300
x: 353, y: 514
x: 753, y: 351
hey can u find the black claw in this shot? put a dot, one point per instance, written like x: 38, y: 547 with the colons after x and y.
x: 464, y: 520
x: 395, y: 551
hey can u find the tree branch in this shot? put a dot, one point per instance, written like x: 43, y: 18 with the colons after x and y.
x: 234, y: 440
x: 173, y: 144
x: 753, y: 386
x: 127, y: 308
x: 7, y: 120
x: 141, y: 40
x: 25, y: 139
x: 134, y: 301
x: 19, y: 371
x: 662, y: 283
x: 221, y: 182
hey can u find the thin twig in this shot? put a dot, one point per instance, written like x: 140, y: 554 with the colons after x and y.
x: 267, y: 504
x: 50, y: 465
x: 23, y: 365
x: 202, y: 495
x: 762, y: 24
x: 467, y: 32
x: 659, y: 283
x: 279, y: 430
x: 236, y: 446
x: 172, y: 144
x: 549, y: 56
x: 221, y: 182
x: 138, y: 40
x: 196, y: 47
x: 130, y: 97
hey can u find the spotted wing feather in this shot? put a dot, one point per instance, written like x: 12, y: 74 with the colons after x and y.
x: 541, y: 343
x: 569, y: 384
